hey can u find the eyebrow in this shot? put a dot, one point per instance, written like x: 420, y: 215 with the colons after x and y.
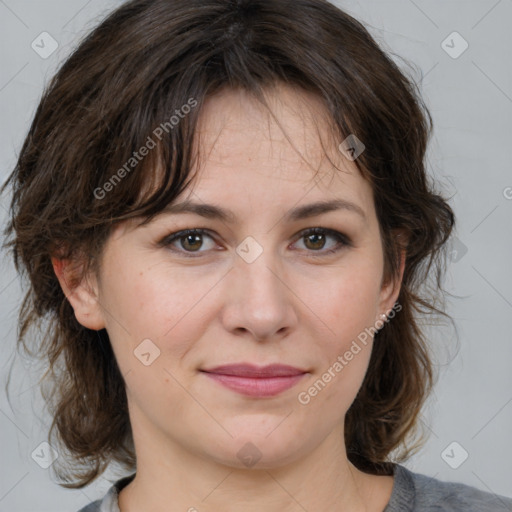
x: 211, y: 211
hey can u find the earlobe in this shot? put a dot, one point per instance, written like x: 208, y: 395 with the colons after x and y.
x: 82, y: 293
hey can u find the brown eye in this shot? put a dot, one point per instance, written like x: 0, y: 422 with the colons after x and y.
x: 187, y: 241
x: 191, y: 242
x: 315, y: 240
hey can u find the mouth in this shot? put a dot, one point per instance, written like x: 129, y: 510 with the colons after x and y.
x: 250, y: 380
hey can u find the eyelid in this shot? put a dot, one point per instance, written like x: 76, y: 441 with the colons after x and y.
x: 341, y: 238
x: 182, y: 233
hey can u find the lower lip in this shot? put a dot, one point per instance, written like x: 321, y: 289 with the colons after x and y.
x: 258, y: 387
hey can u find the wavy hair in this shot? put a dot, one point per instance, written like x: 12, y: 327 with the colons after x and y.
x: 129, y: 76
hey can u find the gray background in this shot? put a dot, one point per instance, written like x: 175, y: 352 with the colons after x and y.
x: 470, y: 98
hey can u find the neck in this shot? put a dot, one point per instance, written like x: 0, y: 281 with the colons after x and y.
x: 174, y: 478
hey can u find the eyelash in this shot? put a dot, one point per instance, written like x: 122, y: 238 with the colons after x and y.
x: 343, y: 240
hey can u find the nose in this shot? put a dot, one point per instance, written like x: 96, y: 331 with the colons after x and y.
x: 259, y: 299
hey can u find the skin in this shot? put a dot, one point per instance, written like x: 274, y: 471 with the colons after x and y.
x: 215, y: 308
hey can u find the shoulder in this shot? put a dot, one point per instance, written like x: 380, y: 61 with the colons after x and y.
x: 92, y: 507
x: 109, y: 502
x: 433, y: 495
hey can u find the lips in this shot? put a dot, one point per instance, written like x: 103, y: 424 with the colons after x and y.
x: 254, y: 381
x: 256, y: 372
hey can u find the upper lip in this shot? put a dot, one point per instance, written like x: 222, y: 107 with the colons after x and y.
x: 249, y: 370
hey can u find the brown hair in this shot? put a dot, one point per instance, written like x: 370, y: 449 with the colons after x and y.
x: 138, y: 68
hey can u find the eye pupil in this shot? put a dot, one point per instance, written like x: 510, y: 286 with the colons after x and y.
x: 197, y: 238
x: 191, y: 240
x: 316, y: 236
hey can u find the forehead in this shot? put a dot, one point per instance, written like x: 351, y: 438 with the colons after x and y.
x: 234, y: 126
x: 250, y: 153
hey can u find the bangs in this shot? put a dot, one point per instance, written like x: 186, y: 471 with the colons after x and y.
x: 167, y: 160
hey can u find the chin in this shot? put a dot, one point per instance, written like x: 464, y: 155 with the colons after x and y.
x: 260, y: 448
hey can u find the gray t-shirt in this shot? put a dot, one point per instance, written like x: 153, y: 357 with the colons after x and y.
x: 412, y: 492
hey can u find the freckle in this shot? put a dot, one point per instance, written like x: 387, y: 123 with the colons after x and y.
x: 141, y: 273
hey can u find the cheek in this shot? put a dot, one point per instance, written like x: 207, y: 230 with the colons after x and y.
x: 346, y: 306
x: 330, y: 392
x: 166, y: 304
x: 347, y: 301
x: 147, y: 297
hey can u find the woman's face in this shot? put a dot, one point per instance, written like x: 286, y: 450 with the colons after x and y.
x: 252, y: 289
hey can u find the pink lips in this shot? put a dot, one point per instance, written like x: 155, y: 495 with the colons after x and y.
x: 256, y: 381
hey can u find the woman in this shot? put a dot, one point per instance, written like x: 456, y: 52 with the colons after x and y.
x: 225, y: 217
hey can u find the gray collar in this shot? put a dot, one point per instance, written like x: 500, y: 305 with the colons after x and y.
x: 402, y: 496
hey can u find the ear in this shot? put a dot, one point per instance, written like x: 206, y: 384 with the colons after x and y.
x: 82, y: 294
x: 391, y: 290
